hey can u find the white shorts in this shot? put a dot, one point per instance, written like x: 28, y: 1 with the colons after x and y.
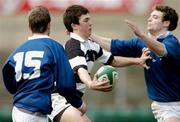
x: 163, y: 111
x: 59, y: 103
x: 19, y: 116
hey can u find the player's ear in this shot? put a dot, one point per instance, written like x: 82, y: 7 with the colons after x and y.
x: 166, y: 24
x: 74, y: 26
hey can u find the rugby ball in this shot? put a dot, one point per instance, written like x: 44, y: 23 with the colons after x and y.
x: 107, y: 72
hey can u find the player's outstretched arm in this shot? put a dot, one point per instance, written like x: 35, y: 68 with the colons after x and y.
x: 105, y: 43
x: 120, y: 61
x: 152, y: 43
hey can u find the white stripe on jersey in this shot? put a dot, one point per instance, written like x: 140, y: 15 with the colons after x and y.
x: 78, y: 60
x: 105, y: 57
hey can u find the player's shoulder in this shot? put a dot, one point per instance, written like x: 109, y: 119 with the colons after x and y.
x: 52, y: 43
x: 71, y: 43
x: 172, y: 37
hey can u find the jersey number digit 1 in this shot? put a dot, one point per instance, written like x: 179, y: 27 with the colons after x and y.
x: 28, y: 62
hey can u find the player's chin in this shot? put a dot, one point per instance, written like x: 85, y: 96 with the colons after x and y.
x: 89, y: 34
x: 150, y: 28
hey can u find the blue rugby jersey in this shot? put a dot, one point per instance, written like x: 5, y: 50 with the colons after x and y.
x: 31, y: 71
x: 163, y: 77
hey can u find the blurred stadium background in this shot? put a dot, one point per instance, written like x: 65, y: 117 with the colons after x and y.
x: 128, y: 102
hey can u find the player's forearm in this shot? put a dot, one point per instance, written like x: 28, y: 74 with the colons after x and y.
x: 8, y: 78
x: 67, y: 88
x: 84, y: 76
x: 105, y: 43
x: 124, y: 61
x: 153, y: 45
x: 74, y: 99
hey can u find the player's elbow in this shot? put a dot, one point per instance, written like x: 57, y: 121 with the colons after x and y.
x: 66, y: 90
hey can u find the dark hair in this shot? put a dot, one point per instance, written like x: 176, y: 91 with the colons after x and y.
x: 169, y: 14
x: 39, y: 18
x: 72, y: 15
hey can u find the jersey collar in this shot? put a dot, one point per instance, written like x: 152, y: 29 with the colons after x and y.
x: 161, y: 36
x: 164, y: 35
x: 77, y: 37
x: 35, y: 36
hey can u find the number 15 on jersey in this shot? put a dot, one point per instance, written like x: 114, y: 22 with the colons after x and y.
x: 30, y: 59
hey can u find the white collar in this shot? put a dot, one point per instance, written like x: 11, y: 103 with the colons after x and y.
x: 161, y: 36
x: 35, y: 36
x: 77, y: 37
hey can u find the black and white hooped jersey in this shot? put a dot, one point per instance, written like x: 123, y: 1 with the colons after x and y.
x: 83, y: 53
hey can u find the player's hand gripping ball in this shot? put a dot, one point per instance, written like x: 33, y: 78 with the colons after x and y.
x: 107, y: 72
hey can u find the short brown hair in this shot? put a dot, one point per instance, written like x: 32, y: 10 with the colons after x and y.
x: 39, y: 18
x: 72, y: 15
x: 169, y: 14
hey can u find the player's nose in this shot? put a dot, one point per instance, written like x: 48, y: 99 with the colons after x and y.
x: 149, y: 19
x: 90, y: 23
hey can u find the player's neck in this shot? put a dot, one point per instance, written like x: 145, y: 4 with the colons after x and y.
x: 81, y: 35
x: 157, y: 33
x: 45, y: 33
